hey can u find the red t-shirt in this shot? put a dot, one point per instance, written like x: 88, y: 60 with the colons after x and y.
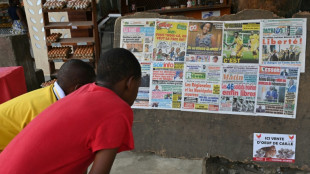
x: 65, y: 136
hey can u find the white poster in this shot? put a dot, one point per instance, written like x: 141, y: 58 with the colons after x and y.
x: 274, y: 147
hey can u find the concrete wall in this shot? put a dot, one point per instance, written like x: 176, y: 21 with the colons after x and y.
x: 197, y: 135
x: 15, y: 51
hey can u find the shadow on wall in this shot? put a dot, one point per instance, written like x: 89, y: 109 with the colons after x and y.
x: 283, y: 8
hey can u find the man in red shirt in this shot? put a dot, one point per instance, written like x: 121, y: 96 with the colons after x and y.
x: 91, y: 124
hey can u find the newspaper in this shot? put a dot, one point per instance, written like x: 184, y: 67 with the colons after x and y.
x: 204, y: 43
x: 274, y: 147
x: 143, y: 97
x: 137, y: 36
x: 238, y: 88
x: 241, y: 42
x: 170, y: 40
x: 167, y: 82
x: 277, y: 91
x: 201, y: 87
x: 284, y: 42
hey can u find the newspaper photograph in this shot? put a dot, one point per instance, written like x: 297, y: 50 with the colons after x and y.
x: 204, y: 42
x: 170, y: 40
x: 201, y: 90
x: 137, y: 36
x: 284, y: 42
x: 166, y: 87
x: 143, y: 97
x: 238, y: 89
x: 277, y: 91
x: 274, y: 147
x: 241, y: 42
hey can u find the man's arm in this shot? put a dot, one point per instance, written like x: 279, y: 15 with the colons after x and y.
x: 103, y: 161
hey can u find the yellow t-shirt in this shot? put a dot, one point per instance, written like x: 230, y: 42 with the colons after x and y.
x: 254, y: 41
x: 15, y: 114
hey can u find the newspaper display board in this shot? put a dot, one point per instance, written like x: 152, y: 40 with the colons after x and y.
x: 274, y: 147
x: 167, y: 83
x: 204, y: 43
x: 170, y: 40
x: 241, y: 42
x: 284, y: 42
x: 143, y: 97
x: 245, y: 79
x: 277, y: 91
x: 238, y: 89
x: 137, y: 36
x: 201, y: 87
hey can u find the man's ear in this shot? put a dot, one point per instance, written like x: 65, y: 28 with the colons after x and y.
x: 130, y: 82
x: 77, y: 86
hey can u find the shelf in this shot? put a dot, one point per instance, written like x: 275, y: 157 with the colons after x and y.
x: 70, y: 25
x: 71, y: 56
x: 66, y: 10
x: 173, y: 10
x: 73, y: 41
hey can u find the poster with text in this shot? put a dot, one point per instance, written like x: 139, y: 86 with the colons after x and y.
x: 241, y: 42
x: 170, y: 40
x: 143, y: 97
x: 284, y: 42
x: 277, y: 91
x: 204, y: 42
x: 167, y: 83
x: 274, y: 147
x: 238, y: 89
x: 201, y: 90
x: 137, y: 36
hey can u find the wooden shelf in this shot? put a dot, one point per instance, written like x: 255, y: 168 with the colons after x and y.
x: 66, y: 10
x: 73, y: 41
x: 71, y: 56
x: 70, y: 25
x: 172, y: 10
x: 84, y: 31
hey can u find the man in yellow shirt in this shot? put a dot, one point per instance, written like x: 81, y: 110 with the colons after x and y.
x: 239, y: 45
x: 253, y: 43
x: 15, y: 114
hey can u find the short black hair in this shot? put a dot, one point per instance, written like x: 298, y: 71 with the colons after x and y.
x: 74, y: 72
x: 117, y: 64
x: 203, y: 24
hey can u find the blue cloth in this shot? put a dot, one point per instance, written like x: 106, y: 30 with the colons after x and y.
x: 272, y: 95
x: 292, y: 88
x: 204, y: 42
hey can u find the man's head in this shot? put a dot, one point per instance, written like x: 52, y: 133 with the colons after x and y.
x: 236, y: 34
x: 74, y: 74
x: 271, y: 88
x: 291, y: 83
x: 120, y: 71
x: 215, y: 59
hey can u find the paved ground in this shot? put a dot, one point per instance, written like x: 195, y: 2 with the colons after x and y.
x: 147, y: 163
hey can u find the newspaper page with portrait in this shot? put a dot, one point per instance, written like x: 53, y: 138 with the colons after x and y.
x: 166, y: 85
x: 238, y: 89
x: 274, y: 147
x: 137, y: 35
x: 143, y: 97
x: 284, y: 42
x: 241, y: 42
x: 277, y: 91
x: 170, y: 40
x: 204, y: 42
x: 201, y: 90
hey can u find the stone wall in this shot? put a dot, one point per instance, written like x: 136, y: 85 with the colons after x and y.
x: 197, y: 135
